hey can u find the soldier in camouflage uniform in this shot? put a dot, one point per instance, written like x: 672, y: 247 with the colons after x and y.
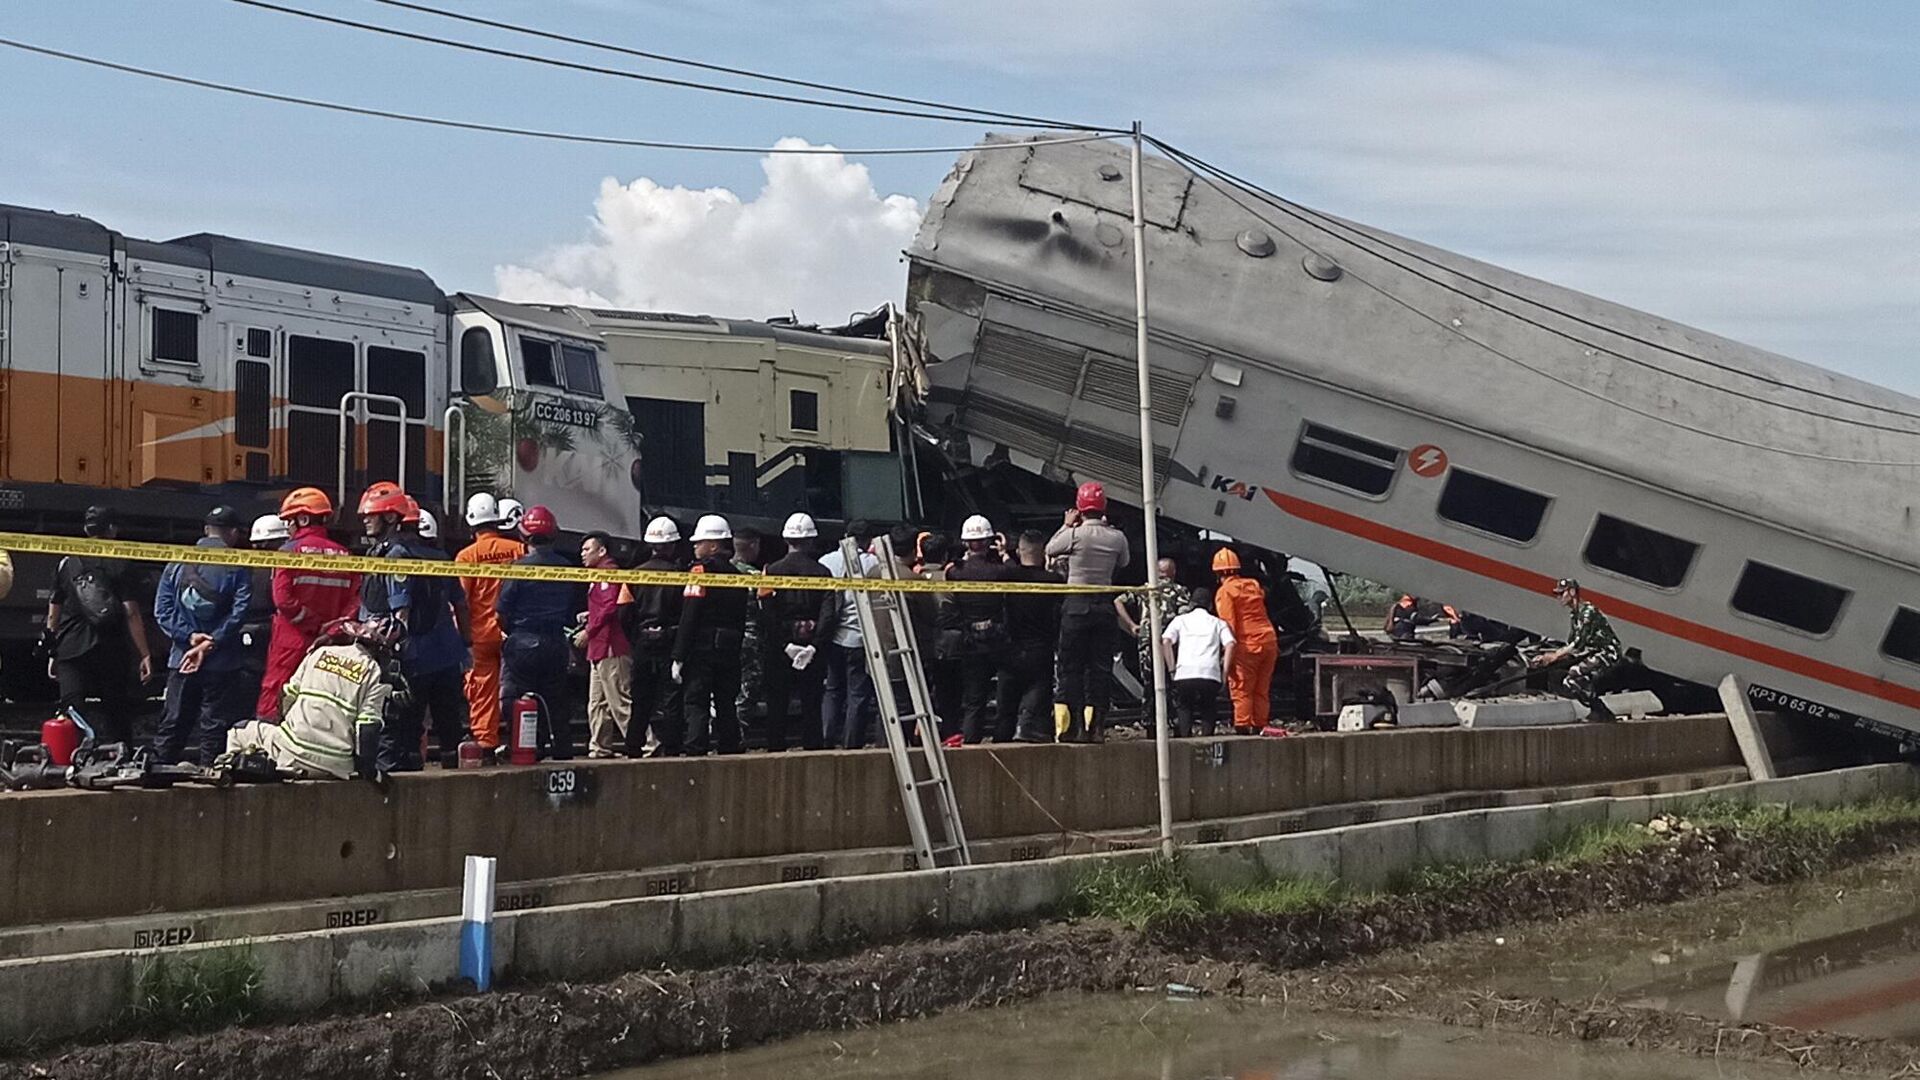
x: 1175, y: 598
x: 1592, y: 646
x: 748, y: 559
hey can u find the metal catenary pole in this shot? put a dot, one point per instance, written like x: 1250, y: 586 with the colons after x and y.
x: 1149, y: 502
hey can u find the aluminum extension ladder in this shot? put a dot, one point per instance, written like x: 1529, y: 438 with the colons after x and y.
x: 887, y: 633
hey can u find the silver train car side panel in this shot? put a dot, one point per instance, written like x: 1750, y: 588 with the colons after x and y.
x: 1426, y: 419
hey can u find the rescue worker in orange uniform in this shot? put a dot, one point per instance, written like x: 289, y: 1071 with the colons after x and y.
x: 1242, y: 604
x: 491, y: 544
x: 304, y: 601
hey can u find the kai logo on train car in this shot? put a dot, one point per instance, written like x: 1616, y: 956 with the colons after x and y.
x: 564, y: 414
x: 1239, y: 490
x: 1427, y: 460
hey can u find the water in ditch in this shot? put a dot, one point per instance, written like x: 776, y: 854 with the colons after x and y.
x: 1841, y: 953
x: 1153, y: 1037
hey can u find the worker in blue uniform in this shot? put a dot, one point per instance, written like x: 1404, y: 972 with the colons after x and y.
x: 537, y: 617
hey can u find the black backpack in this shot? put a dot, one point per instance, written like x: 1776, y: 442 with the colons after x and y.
x: 98, y: 599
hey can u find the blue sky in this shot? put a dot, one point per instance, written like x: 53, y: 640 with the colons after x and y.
x: 1752, y: 168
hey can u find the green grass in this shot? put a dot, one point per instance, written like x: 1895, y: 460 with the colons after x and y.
x: 1284, y: 896
x: 1161, y: 891
x: 213, y: 990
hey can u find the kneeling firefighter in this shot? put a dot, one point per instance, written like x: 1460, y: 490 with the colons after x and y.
x: 334, y: 707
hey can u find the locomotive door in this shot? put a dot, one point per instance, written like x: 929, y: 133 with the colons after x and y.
x: 59, y: 330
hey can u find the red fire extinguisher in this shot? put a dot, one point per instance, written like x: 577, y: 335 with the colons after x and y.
x: 526, y: 731
x: 61, y: 736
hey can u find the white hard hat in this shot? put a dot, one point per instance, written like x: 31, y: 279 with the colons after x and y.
x: 510, y: 514
x: 662, y: 530
x: 976, y: 527
x: 712, y: 527
x: 268, y: 527
x: 483, y: 509
x: 429, y: 525
x: 799, y: 527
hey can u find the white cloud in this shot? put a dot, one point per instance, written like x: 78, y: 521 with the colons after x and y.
x: 1791, y: 224
x: 816, y: 240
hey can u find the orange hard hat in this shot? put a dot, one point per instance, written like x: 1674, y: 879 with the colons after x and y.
x: 1225, y: 559
x: 1091, y: 498
x: 412, y: 516
x: 385, y: 497
x: 306, y: 500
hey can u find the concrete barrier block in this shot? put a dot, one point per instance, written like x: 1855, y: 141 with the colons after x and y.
x: 1452, y: 838
x: 998, y: 894
x: 1428, y: 714
x: 1630, y: 810
x: 1517, y: 832
x: 739, y: 922
x: 53, y: 997
x: 1518, y: 712
x: 409, y: 957
x: 1863, y: 784
x: 1371, y: 855
x: 1224, y: 867
x: 1564, y: 819
x: 1818, y: 789
x: 296, y: 970
x: 1302, y: 855
x: 589, y: 940
x: 882, y: 907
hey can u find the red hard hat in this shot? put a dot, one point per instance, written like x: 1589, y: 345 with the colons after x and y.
x: 412, y: 516
x: 1091, y: 498
x: 538, y: 521
x: 385, y: 497
x: 307, y: 500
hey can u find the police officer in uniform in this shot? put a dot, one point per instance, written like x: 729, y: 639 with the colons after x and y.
x: 1089, y: 630
x: 435, y: 656
x: 651, y: 614
x: 706, y: 650
x: 536, y: 617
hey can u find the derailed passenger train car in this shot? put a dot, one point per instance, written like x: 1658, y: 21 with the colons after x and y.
x: 1382, y: 406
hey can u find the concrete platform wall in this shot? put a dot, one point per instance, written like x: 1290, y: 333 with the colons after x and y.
x: 52, y: 997
x: 79, y: 855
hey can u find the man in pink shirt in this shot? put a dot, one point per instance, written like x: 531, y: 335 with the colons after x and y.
x: 609, y: 686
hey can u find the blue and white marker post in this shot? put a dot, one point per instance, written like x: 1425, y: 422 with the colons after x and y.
x: 476, y: 923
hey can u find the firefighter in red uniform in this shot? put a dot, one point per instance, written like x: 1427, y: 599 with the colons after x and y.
x: 304, y: 601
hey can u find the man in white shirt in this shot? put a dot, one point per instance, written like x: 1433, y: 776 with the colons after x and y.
x: 1199, y: 650
x: 848, y: 710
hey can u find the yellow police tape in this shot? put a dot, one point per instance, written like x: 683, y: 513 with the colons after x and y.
x: 35, y: 544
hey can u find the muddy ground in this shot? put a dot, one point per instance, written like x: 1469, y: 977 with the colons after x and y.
x: 1307, y: 960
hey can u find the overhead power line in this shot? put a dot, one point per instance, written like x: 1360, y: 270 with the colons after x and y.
x: 1220, y: 182
x: 1366, y: 241
x: 746, y: 73
x: 596, y: 69
x: 530, y: 133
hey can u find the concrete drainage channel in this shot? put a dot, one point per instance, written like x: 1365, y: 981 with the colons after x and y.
x: 55, y: 996
x: 167, y: 931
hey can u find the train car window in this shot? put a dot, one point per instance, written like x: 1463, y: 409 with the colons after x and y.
x: 401, y: 373
x: 1903, y: 637
x: 1347, y: 461
x: 1781, y: 596
x: 260, y: 343
x: 1483, y: 503
x: 1640, y: 553
x: 479, y: 375
x: 803, y: 410
x: 176, y: 336
x: 583, y: 370
x: 319, y: 371
x: 537, y: 355
x: 252, y: 403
